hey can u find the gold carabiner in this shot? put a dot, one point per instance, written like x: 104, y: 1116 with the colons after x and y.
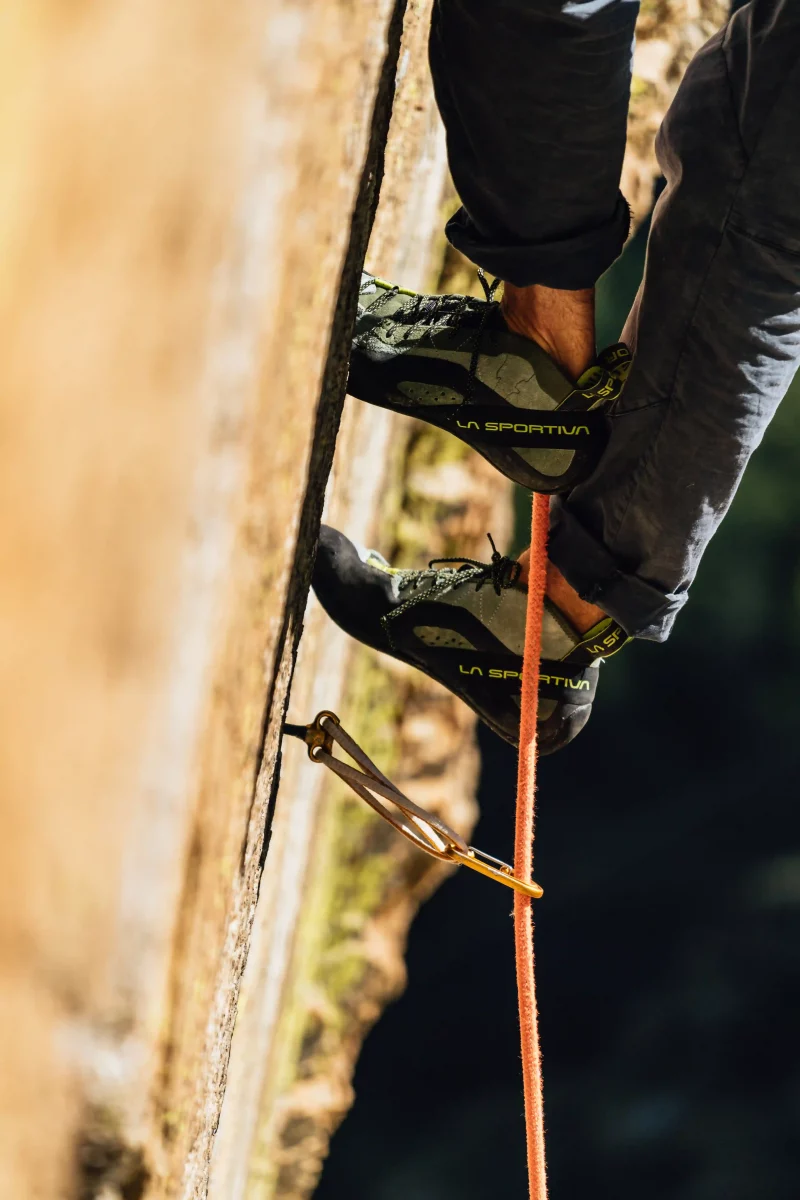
x: 426, y: 832
x: 495, y: 868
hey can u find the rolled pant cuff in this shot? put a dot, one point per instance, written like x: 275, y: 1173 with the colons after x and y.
x: 641, y: 609
x: 569, y: 263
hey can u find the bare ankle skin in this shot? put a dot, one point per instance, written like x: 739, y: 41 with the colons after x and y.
x: 580, y: 613
x: 561, y: 322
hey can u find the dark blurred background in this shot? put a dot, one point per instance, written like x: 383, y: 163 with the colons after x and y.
x: 668, y: 941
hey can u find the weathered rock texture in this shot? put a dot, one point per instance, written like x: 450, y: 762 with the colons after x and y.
x: 186, y: 196
x: 175, y: 218
x: 339, y: 886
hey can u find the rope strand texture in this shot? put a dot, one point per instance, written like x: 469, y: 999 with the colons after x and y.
x: 523, y: 852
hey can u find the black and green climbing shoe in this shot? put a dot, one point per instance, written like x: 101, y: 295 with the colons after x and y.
x: 465, y: 627
x: 452, y: 361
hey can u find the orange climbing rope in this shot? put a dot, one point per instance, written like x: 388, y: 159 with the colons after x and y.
x: 431, y: 834
x: 523, y: 853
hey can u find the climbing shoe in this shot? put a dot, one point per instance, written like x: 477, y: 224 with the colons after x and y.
x: 464, y: 626
x: 452, y: 361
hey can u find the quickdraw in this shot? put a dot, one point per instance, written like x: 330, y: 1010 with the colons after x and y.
x: 427, y: 831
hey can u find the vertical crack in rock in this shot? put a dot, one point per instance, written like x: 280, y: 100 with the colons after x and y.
x: 334, y: 382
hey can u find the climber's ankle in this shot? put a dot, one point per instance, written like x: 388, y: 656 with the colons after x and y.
x: 561, y: 322
x: 580, y: 613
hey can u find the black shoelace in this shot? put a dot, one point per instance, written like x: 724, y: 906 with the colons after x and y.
x: 502, y: 571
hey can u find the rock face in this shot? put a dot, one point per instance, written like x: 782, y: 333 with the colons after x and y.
x: 187, y: 194
x: 340, y: 887
x: 176, y: 218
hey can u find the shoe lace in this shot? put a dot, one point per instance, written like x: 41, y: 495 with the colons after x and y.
x: 446, y: 312
x: 501, y: 572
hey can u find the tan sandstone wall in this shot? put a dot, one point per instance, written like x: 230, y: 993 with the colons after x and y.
x: 177, y: 182
x: 176, y: 193
x: 339, y: 887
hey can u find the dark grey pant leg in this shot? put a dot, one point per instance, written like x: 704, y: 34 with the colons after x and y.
x: 534, y: 97
x: 715, y: 329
